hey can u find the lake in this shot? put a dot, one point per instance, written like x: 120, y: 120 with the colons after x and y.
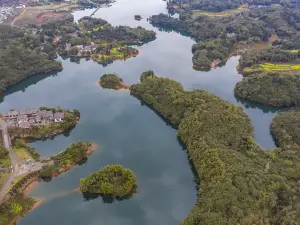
x: 127, y: 132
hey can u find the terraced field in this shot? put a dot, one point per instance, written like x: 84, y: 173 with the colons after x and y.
x: 269, y: 67
x: 197, y: 13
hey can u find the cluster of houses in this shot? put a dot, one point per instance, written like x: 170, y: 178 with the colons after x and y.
x: 5, y: 13
x: 32, y: 117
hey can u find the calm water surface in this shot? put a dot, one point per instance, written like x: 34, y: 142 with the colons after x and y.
x: 127, y: 132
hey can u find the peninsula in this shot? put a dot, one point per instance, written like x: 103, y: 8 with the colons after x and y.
x: 22, y: 164
x: 238, y: 181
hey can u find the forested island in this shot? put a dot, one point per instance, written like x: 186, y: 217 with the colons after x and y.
x: 239, y: 183
x: 112, y: 180
x: 112, y: 81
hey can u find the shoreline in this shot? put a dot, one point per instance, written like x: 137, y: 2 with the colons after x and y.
x: 33, y: 183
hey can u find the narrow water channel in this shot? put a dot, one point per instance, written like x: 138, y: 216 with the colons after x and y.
x: 127, y: 132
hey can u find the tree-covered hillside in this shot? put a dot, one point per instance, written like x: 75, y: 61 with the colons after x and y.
x: 21, y: 56
x: 285, y: 129
x: 271, y: 88
x: 238, y: 182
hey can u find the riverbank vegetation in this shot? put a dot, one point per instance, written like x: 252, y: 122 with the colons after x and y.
x: 271, y: 88
x: 76, y: 153
x: 285, y: 129
x: 16, y: 207
x: 112, y: 180
x: 112, y: 81
x: 239, y: 183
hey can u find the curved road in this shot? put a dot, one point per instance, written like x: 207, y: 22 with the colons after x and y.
x: 14, y: 159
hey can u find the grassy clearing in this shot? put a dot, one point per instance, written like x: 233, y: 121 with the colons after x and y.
x: 22, y: 153
x: 197, y: 13
x: 268, y: 67
x: 3, y: 178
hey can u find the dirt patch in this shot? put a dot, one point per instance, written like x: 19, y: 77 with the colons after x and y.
x: 45, y: 17
x: 41, y: 14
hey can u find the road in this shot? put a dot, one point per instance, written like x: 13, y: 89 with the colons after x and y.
x: 13, y: 22
x: 14, y: 159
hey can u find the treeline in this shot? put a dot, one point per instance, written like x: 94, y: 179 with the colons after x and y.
x: 271, y: 88
x: 238, y: 182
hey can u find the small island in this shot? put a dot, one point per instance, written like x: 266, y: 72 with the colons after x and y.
x: 137, y: 17
x: 113, y: 180
x: 112, y: 81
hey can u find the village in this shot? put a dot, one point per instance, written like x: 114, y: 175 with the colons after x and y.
x: 32, y: 117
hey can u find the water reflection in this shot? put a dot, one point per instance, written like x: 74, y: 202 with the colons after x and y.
x: 128, y: 132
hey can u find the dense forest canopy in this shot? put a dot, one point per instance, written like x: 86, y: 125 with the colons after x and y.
x: 238, y: 182
x: 112, y: 180
x: 271, y: 88
x: 21, y: 56
x: 285, y: 129
x: 271, y: 54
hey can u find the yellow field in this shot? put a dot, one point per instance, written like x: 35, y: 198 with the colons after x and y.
x: 268, y: 67
x: 197, y: 13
